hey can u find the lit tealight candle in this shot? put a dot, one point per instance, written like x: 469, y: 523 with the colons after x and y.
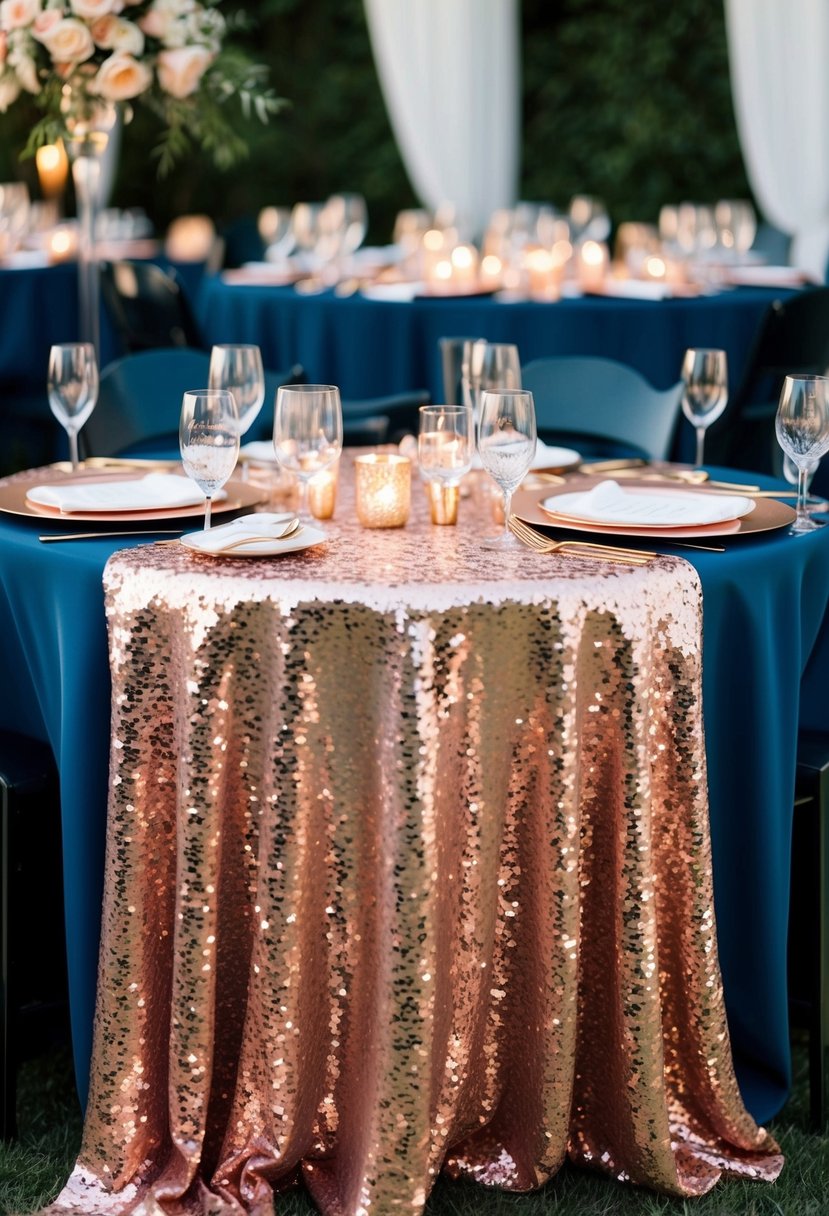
x: 52, y: 169
x: 593, y: 261
x: 322, y: 493
x: 464, y: 259
x: 62, y: 244
x: 383, y: 490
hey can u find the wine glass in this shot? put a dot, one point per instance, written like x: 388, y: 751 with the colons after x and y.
x: 488, y: 366
x: 802, y: 426
x: 506, y: 444
x: 444, y: 452
x: 705, y: 391
x: 238, y: 368
x: 209, y: 440
x: 307, y: 431
x: 72, y: 384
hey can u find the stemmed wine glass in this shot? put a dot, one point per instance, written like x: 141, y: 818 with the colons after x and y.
x: 72, y: 384
x: 307, y: 431
x: 238, y: 368
x: 209, y: 440
x: 506, y: 444
x: 802, y: 426
x: 488, y: 366
x: 705, y: 391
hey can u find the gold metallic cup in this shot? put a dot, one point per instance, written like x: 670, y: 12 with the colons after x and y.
x: 443, y: 502
x: 384, y: 490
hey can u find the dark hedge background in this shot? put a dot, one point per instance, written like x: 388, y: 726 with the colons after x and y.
x: 626, y: 99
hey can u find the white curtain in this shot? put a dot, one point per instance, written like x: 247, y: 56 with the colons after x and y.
x: 450, y: 75
x: 778, y: 50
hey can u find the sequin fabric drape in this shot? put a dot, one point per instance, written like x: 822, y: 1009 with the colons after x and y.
x: 408, y: 870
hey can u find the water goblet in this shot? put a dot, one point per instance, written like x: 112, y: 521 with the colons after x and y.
x: 209, y: 440
x: 506, y: 444
x: 705, y: 391
x: 488, y: 366
x: 72, y: 384
x: 307, y: 431
x: 238, y: 368
x: 444, y: 452
x: 802, y: 427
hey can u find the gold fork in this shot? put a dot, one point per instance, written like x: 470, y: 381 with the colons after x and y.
x: 576, y: 548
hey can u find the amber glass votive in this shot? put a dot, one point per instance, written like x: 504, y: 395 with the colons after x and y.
x: 322, y: 493
x: 383, y: 489
x: 443, y: 502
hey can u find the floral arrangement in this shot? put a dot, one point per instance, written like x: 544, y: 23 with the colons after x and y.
x: 73, y: 56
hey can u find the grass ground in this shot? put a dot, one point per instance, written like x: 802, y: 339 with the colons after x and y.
x: 34, y: 1167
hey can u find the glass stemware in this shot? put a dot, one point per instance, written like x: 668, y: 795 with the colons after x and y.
x: 705, y: 391
x: 238, y: 368
x: 209, y: 440
x: 307, y: 431
x: 488, y: 366
x: 506, y: 444
x: 444, y: 451
x: 802, y: 427
x: 72, y: 385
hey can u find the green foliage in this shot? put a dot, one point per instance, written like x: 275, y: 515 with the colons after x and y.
x: 625, y: 99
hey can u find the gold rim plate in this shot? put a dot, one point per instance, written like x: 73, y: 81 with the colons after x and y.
x: 768, y: 515
x: 13, y: 501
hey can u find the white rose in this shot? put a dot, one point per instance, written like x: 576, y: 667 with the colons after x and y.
x: 69, y: 41
x: 16, y: 13
x: 90, y: 9
x: 180, y: 71
x: 9, y: 91
x: 121, y: 77
x: 127, y: 37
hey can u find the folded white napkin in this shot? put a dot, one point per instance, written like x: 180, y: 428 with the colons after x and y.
x: 261, y: 451
x: 153, y: 492
x: 546, y: 457
x: 608, y: 503
x: 266, y: 525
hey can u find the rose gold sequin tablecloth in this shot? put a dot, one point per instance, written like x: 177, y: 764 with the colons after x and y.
x: 408, y: 870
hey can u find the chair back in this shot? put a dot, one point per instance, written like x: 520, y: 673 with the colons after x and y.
x: 603, y: 407
x: 792, y: 338
x: 382, y: 419
x: 139, y: 402
x: 148, y: 307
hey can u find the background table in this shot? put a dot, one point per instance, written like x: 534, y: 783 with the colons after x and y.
x: 371, y: 347
x: 765, y: 605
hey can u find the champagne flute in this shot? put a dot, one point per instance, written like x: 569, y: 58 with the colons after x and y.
x: 802, y: 427
x: 238, y: 368
x: 209, y: 440
x: 307, y: 431
x: 72, y: 384
x: 506, y: 444
x: 705, y: 391
x: 444, y: 452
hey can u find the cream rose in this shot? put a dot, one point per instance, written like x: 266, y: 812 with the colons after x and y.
x: 127, y: 37
x: 9, y: 91
x: 180, y: 71
x: 26, y: 70
x: 44, y: 22
x: 121, y: 77
x: 17, y: 13
x: 155, y: 23
x: 103, y: 31
x: 90, y: 9
x: 69, y: 41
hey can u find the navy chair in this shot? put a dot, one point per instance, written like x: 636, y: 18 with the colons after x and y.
x: 601, y: 407
x: 148, y: 307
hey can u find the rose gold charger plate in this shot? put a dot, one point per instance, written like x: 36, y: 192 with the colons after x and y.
x: 13, y: 501
x: 769, y: 514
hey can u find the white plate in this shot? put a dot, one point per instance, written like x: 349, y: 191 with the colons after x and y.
x: 304, y: 539
x: 647, y: 507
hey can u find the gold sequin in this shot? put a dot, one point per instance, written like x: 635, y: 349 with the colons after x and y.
x: 408, y: 869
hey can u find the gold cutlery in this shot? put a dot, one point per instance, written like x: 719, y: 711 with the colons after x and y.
x: 51, y: 537
x: 540, y: 543
x: 647, y: 553
x: 609, y: 466
x: 690, y: 477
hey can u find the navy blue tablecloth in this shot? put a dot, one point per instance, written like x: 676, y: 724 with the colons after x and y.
x: 765, y: 605
x: 370, y: 347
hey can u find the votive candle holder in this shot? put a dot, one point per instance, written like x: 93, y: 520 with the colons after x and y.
x: 383, y: 484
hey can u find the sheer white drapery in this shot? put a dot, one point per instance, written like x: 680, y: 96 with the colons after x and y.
x: 450, y: 75
x: 780, y: 84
